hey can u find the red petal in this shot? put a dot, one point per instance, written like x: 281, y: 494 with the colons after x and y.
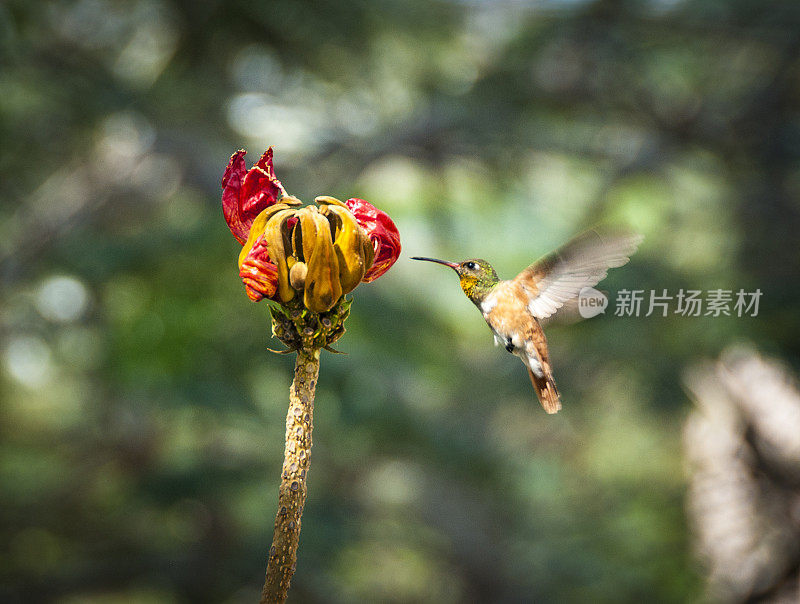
x: 260, y: 276
x: 259, y: 191
x: 265, y: 163
x: 246, y: 195
x: 382, y: 232
x: 231, y: 187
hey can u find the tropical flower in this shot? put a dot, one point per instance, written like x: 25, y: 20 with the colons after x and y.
x: 313, y: 254
x: 306, y: 258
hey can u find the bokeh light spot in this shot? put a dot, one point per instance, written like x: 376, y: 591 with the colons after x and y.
x: 28, y: 360
x: 62, y: 299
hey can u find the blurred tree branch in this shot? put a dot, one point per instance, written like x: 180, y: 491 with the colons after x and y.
x: 742, y: 445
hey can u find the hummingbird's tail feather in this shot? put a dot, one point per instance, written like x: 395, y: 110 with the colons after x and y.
x: 547, y: 392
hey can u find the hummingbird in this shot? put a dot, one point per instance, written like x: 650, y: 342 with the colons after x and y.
x: 513, y: 308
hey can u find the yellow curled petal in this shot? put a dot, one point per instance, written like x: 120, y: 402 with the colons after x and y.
x: 305, y: 233
x: 274, y: 234
x: 348, y: 244
x: 257, y: 229
x: 297, y: 237
x: 291, y: 200
x: 327, y: 199
x: 369, y: 251
x: 323, y: 288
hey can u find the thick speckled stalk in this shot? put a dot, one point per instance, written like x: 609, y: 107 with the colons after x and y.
x: 292, y: 494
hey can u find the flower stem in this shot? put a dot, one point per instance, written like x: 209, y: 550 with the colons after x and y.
x: 292, y: 495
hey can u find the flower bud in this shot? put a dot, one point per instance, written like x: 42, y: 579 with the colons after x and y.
x: 297, y: 275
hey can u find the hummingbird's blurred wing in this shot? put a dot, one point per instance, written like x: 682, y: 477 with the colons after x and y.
x: 583, y: 262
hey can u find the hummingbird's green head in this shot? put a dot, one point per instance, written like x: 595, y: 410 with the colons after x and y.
x: 477, y: 276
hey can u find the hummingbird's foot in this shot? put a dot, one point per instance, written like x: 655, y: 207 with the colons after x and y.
x: 510, y: 346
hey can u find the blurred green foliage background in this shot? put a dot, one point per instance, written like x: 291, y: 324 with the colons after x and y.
x: 142, y: 417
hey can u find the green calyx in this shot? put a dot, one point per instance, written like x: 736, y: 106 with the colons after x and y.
x: 300, y: 328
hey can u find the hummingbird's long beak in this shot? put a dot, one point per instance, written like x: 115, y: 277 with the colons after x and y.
x: 452, y: 265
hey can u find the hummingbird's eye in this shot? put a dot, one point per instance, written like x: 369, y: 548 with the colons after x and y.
x: 470, y: 265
